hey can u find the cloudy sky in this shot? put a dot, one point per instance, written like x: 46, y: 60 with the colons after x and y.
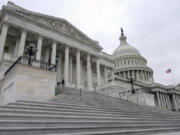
x: 152, y: 26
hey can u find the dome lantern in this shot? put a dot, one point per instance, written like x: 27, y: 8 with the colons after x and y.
x: 122, y: 38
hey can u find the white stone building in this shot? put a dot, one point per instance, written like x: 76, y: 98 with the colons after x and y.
x: 77, y: 59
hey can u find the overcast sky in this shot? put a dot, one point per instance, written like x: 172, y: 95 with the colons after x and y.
x: 152, y: 26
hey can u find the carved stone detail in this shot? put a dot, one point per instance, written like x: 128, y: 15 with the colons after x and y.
x: 57, y: 24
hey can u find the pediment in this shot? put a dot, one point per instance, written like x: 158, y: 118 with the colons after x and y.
x: 57, y: 24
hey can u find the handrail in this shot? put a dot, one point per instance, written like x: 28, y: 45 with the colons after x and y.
x: 13, y: 65
x: 33, y: 63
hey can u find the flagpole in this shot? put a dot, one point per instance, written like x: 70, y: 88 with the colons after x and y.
x: 173, y: 77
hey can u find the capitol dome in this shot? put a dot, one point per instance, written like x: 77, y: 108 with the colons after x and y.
x: 125, y: 49
x: 130, y: 63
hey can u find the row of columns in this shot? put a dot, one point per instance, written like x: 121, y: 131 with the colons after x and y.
x: 68, y: 60
x: 176, y: 100
x: 68, y: 69
x: 128, y: 62
x: 20, y: 45
x: 138, y: 75
x: 163, y: 100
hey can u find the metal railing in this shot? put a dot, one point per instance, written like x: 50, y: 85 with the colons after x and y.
x: 33, y: 63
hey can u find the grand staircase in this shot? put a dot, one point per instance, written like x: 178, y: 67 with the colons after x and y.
x: 78, y: 112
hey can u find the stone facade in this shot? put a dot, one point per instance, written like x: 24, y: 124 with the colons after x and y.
x: 28, y: 83
x: 79, y: 60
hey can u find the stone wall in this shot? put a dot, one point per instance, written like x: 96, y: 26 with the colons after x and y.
x: 28, y: 83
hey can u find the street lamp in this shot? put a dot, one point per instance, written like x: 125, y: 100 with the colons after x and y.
x: 31, y: 50
x: 132, y: 84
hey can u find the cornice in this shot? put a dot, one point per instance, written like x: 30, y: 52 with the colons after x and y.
x: 56, y: 24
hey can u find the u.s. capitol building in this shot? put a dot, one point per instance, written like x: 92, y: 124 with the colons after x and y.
x: 66, y: 53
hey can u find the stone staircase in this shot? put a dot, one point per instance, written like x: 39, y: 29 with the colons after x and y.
x: 78, y: 112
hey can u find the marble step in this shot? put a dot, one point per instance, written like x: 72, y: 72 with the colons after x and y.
x: 78, y: 107
x: 69, y: 111
x: 51, y: 112
x: 73, y: 117
x: 84, y: 131
x: 53, y: 103
x: 35, y: 123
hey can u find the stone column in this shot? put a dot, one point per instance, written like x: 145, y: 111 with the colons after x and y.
x: 98, y: 72
x: 137, y: 75
x: 164, y: 102
x: 165, y: 97
x: 168, y: 100
x: 150, y: 77
x: 158, y: 98
x: 133, y: 74
x: 105, y: 74
x: 22, y: 43
x: 3, y: 39
x: 70, y: 69
x: 174, y: 101
x: 124, y: 74
x: 53, y: 54
x: 39, y: 47
x: 78, y: 68
x: 140, y: 74
x: 47, y: 55
x: 16, y: 49
x: 128, y: 74
x: 89, y: 72
x: 59, y: 68
x: 162, y: 99
x: 66, y: 66
x: 170, y: 103
x: 177, y: 101
x: 144, y: 75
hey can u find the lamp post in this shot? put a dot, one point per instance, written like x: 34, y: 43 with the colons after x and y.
x: 132, y: 84
x: 31, y: 51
